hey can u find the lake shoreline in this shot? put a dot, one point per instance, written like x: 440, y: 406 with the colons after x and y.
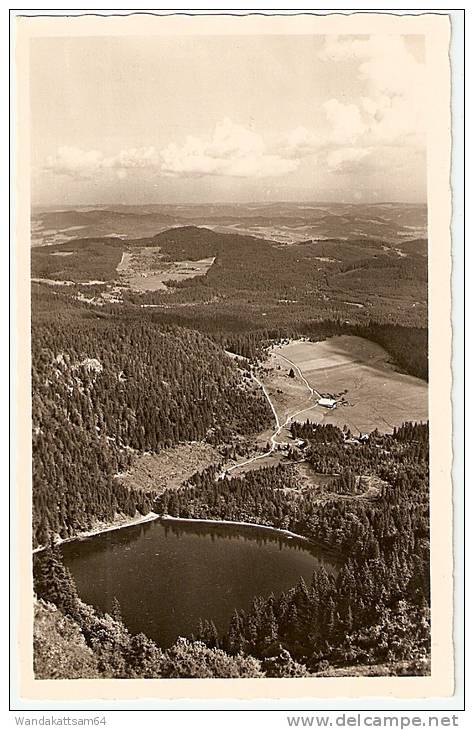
x: 286, y: 533
x: 153, y: 516
x: 150, y: 517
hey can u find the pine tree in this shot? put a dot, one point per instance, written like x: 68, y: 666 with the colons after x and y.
x: 53, y: 581
x: 234, y: 640
x: 116, y: 611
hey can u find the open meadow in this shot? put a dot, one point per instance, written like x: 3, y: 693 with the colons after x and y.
x: 144, y: 269
x: 357, y: 373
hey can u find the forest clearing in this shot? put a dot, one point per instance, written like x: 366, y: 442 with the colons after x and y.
x: 145, y: 269
x: 357, y: 373
x: 353, y: 372
x: 170, y: 468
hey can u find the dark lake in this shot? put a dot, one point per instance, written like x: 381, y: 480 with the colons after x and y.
x: 167, y: 575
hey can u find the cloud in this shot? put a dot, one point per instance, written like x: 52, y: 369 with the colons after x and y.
x: 345, y: 122
x: 393, y: 109
x: 380, y: 111
x: 374, y: 162
x: 384, y: 61
x: 375, y: 120
x: 74, y: 162
x: 299, y: 143
x: 347, y: 159
x: 233, y: 150
x: 145, y: 157
x: 82, y: 164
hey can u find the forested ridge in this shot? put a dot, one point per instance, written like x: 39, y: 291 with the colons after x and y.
x: 255, y: 285
x: 241, y: 331
x: 102, y: 389
x: 292, y: 283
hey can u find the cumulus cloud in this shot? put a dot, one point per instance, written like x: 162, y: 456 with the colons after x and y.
x: 300, y: 142
x: 375, y: 119
x: 135, y: 158
x: 381, y: 108
x: 384, y: 60
x: 75, y: 162
x: 84, y: 164
x: 394, y: 106
x: 344, y: 125
x: 233, y: 150
x: 345, y: 122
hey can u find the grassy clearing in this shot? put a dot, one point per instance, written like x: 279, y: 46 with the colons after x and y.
x: 321, y: 485
x: 371, y: 393
x: 170, y: 468
x: 287, y: 394
x: 311, y: 480
x: 144, y: 269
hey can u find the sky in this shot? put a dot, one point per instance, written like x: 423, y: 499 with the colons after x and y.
x: 207, y: 119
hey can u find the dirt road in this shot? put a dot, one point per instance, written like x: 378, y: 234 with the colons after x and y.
x: 279, y: 426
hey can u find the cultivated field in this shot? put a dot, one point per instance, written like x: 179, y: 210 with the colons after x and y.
x: 146, y: 270
x: 357, y: 373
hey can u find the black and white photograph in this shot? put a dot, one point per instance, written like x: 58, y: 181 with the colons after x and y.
x: 233, y: 386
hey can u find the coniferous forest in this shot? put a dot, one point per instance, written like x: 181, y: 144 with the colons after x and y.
x: 237, y: 274
x: 112, y: 383
x: 103, y: 389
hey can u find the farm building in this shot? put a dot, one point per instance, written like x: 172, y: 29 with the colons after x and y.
x: 327, y: 402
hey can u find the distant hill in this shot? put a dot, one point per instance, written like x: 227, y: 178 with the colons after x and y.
x: 250, y: 278
x: 282, y: 222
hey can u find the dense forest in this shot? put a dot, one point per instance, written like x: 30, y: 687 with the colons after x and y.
x: 242, y: 332
x: 353, y: 281
x: 372, y: 611
x: 360, y: 528
x: 102, y: 390
x: 148, y: 371
x: 255, y: 291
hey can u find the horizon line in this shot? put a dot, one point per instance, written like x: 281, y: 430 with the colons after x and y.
x: 230, y: 203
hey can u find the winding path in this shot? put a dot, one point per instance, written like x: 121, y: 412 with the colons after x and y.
x: 279, y: 426
x: 298, y: 370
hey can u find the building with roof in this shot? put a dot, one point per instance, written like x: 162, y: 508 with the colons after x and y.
x: 327, y: 402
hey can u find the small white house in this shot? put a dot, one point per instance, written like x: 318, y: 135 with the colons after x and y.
x: 327, y: 402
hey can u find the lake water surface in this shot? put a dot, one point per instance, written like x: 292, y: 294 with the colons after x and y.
x: 167, y: 575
